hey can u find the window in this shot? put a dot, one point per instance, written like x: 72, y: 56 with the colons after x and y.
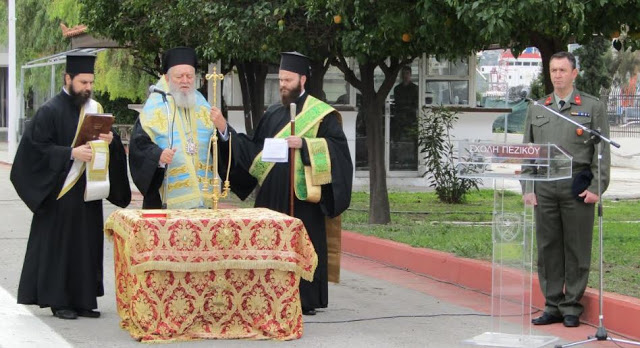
x: 337, y: 91
x: 447, y: 82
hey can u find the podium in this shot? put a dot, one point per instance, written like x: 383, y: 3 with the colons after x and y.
x: 512, y: 168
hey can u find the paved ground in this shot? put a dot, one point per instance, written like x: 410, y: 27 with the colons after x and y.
x: 375, y: 305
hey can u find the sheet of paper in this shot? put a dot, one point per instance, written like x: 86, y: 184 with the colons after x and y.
x: 275, y: 150
x: 100, y: 161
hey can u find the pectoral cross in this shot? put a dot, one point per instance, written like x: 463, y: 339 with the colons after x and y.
x: 216, y: 77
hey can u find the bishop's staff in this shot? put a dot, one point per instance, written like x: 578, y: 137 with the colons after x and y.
x: 292, y: 153
x: 214, y: 183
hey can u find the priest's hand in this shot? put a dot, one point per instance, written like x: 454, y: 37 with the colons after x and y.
x: 82, y: 153
x: 217, y: 119
x: 294, y: 142
x: 167, y: 156
x: 106, y: 137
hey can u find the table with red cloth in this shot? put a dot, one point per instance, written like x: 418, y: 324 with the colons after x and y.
x: 196, y: 274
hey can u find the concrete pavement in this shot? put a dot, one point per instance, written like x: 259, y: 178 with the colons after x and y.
x: 375, y: 305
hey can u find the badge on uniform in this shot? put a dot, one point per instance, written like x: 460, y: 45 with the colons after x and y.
x: 579, y: 131
x: 581, y: 114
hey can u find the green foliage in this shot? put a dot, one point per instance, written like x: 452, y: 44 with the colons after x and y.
x: 37, y: 37
x: 434, y: 142
x: 537, y: 87
x: 119, y: 107
x: 595, y: 58
x: 4, y: 29
x: 67, y: 11
x: 562, y: 20
x: 117, y: 76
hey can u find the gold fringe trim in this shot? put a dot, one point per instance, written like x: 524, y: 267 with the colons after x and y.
x: 226, y: 264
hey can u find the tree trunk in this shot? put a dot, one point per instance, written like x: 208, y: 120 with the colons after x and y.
x: 315, y: 83
x: 547, y: 46
x: 252, y: 76
x: 373, y: 108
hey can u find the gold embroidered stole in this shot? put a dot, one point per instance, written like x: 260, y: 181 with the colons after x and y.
x: 78, y: 167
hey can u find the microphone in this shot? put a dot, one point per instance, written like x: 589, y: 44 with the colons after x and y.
x: 523, y: 96
x: 154, y: 89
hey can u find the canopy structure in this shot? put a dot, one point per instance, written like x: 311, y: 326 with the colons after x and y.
x: 52, y: 61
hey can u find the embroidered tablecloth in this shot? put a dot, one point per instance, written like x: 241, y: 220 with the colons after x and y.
x: 230, y: 273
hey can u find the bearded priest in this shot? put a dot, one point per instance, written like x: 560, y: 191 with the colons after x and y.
x: 323, y: 170
x: 64, y: 186
x: 169, y: 141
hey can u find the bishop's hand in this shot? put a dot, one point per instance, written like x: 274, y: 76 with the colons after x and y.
x: 217, y: 119
x: 166, y: 156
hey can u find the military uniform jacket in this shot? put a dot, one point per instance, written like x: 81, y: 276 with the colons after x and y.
x: 542, y: 127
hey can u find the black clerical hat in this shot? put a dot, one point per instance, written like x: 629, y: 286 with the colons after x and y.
x: 179, y: 56
x: 80, y: 63
x: 580, y: 183
x: 294, y: 62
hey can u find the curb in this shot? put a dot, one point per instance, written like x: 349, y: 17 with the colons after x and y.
x: 621, y: 313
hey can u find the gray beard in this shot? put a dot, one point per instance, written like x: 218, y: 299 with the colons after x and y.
x: 183, y: 99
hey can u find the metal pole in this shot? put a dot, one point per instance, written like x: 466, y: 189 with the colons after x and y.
x: 11, y: 100
x: 52, y: 86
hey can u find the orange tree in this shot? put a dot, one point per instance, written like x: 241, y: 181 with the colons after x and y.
x: 384, y: 35
x: 549, y: 25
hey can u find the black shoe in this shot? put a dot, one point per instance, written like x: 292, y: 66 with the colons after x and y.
x: 546, y: 319
x: 308, y: 311
x: 88, y: 313
x: 571, y: 321
x: 64, y: 313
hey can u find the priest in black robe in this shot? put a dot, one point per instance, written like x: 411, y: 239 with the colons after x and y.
x: 63, y: 262
x: 324, y: 170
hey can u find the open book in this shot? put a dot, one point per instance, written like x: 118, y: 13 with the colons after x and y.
x: 92, y: 126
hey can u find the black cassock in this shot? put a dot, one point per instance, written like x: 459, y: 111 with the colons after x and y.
x: 63, y: 262
x: 144, y: 157
x: 274, y: 192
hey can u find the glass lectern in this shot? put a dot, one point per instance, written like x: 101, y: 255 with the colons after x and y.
x: 513, y: 168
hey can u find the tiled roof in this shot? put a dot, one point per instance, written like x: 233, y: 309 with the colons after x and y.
x: 75, y: 31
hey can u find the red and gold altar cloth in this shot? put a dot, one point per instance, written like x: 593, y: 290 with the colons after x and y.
x: 195, y: 274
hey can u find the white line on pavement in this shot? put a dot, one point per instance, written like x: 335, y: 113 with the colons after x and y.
x: 19, y: 328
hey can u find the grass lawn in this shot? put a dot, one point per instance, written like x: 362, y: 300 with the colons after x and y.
x: 420, y: 220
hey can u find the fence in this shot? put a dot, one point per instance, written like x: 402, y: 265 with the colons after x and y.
x: 624, y: 114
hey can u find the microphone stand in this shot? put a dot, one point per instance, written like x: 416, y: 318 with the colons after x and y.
x: 601, y: 332
x: 166, y: 167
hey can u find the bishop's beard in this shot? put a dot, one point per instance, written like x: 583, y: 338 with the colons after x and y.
x: 79, y: 98
x: 183, y: 99
x: 288, y: 96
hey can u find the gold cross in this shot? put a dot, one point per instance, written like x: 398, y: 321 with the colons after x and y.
x: 216, y: 77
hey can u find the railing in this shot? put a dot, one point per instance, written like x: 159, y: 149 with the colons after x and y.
x: 624, y: 114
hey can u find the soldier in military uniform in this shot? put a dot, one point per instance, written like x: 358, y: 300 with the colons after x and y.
x: 564, y: 210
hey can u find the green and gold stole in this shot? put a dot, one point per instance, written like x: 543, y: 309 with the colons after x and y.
x: 307, y: 179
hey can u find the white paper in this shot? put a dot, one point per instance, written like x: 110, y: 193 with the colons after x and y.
x: 99, y: 161
x: 275, y: 150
